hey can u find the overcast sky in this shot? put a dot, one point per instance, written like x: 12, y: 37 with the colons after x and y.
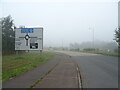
x: 65, y: 22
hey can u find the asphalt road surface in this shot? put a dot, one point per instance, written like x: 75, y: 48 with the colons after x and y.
x: 97, y: 71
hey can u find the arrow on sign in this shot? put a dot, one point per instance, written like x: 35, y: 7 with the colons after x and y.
x: 27, y: 38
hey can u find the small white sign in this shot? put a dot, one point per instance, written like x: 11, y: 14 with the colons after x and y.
x: 29, y: 39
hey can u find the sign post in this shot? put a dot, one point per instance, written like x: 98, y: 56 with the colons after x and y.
x: 29, y: 39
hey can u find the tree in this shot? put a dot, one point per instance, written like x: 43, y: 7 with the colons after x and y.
x: 117, y: 36
x: 8, y: 35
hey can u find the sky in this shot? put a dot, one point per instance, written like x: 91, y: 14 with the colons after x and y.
x: 65, y: 21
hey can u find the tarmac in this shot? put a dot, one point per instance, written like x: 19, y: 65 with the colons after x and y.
x: 97, y: 71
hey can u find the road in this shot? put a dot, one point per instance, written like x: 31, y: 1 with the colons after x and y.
x: 97, y: 71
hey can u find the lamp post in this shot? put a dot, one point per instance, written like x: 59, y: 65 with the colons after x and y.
x: 62, y: 44
x: 92, y: 36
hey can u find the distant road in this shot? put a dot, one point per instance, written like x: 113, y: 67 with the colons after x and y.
x: 97, y: 71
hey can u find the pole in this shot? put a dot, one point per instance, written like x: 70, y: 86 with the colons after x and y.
x: 93, y: 38
x: 16, y: 52
x: 62, y: 44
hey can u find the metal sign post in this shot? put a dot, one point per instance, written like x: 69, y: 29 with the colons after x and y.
x: 17, y: 52
x: 29, y: 39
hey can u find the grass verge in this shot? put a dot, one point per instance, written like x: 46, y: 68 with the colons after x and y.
x: 104, y: 53
x: 14, y: 65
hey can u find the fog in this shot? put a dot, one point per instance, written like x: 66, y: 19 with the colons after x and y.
x: 66, y: 22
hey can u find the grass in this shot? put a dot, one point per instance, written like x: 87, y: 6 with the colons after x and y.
x: 104, y: 53
x: 108, y: 53
x: 14, y: 65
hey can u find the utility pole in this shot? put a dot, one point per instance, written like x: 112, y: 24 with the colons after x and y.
x: 62, y: 44
x: 92, y: 36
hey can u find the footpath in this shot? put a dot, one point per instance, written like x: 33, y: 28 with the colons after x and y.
x: 63, y: 76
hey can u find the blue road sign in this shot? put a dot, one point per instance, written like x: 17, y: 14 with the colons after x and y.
x: 27, y: 30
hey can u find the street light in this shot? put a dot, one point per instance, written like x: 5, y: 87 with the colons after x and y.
x: 92, y: 35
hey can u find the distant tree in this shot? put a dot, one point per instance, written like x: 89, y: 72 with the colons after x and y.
x: 8, y: 35
x: 117, y: 36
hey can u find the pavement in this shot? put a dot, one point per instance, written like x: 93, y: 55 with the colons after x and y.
x: 60, y: 72
x: 97, y: 71
x: 63, y: 76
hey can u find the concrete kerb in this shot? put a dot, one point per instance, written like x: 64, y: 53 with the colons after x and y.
x: 79, y: 76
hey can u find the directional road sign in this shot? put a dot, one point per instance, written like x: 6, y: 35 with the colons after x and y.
x: 29, y: 38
